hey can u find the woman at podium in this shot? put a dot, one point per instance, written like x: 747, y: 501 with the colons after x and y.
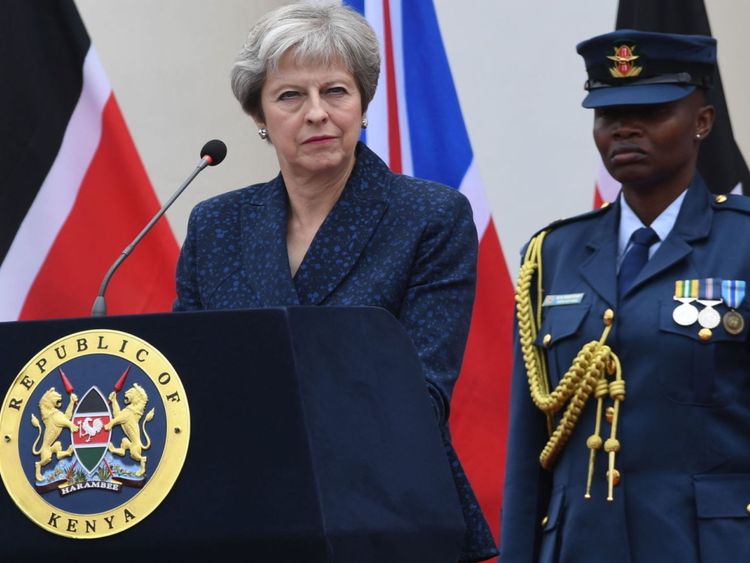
x: 336, y: 227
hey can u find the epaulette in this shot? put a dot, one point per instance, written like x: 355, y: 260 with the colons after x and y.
x: 606, y: 206
x: 731, y: 201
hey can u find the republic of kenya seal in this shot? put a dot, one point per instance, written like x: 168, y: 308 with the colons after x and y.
x: 93, y: 433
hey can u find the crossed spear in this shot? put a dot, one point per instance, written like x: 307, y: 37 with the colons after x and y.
x: 118, y: 384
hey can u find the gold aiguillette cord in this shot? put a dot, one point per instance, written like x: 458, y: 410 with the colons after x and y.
x: 588, y: 373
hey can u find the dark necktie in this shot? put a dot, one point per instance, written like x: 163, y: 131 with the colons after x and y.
x: 636, y: 257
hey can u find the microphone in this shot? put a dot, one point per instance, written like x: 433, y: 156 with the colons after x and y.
x: 212, y: 153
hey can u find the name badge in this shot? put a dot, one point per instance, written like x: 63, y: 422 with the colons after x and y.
x: 562, y: 299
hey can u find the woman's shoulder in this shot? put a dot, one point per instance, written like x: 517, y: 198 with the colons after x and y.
x: 580, y: 222
x: 376, y: 180
x: 233, y: 200
x: 570, y: 232
x: 427, y: 188
x: 731, y: 202
x: 426, y: 194
x: 430, y: 205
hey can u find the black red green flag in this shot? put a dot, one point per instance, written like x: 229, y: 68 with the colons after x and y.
x: 74, y: 191
x: 720, y: 161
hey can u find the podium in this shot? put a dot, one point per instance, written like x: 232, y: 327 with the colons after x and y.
x: 312, y: 438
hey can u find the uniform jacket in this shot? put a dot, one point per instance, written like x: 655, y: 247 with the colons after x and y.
x: 391, y: 241
x: 684, y: 426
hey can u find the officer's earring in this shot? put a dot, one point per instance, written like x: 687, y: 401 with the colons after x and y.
x: 364, y: 123
x: 263, y: 133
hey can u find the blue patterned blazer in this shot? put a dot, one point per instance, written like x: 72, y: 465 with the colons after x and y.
x: 391, y: 241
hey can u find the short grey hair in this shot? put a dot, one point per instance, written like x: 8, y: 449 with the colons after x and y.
x: 323, y: 32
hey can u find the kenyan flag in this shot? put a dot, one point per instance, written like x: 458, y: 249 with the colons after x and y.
x: 74, y: 191
x: 91, y: 440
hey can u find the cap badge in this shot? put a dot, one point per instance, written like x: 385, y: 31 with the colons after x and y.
x: 624, y: 62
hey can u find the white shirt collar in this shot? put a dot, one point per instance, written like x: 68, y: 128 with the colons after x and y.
x: 629, y: 222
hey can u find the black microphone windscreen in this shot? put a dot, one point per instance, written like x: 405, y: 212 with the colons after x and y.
x: 216, y: 150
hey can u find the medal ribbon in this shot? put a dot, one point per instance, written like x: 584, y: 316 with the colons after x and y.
x: 733, y: 292
x: 686, y: 288
x: 709, y: 288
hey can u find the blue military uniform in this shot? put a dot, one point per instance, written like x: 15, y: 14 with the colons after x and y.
x: 676, y: 420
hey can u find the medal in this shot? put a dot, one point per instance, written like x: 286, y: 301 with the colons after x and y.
x: 685, y: 291
x: 709, y: 291
x: 733, y: 292
x: 685, y: 314
x: 709, y: 317
x: 733, y: 322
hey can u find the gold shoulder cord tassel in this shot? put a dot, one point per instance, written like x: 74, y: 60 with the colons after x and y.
x: 588, y: 373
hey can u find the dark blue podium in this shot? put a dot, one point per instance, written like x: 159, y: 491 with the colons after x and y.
x: 312, y: 439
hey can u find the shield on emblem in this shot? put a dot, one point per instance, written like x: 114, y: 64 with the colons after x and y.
x: 91, y: 440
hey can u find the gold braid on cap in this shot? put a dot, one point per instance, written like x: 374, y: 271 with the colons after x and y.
x: 587, y: 375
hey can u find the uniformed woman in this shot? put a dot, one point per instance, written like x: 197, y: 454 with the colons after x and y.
x: 630, y: 411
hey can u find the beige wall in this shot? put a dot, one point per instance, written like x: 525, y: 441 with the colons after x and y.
x: 729, y: 19
x: 514, y: 63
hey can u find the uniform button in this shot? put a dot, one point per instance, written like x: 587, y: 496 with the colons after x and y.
x: 721, y: 198
x: 608, y: 317
x: 546, y: 519
x: 748, y: 508
x: 546, y: 340
x: 705, y: 334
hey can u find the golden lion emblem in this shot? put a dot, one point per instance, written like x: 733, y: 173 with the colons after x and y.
x: 54, y: 422
x: 129, y: 419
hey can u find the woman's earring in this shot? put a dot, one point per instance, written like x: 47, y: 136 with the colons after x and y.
x: 263, y: 133
x: 697, y: 135
x: 364, y: 123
